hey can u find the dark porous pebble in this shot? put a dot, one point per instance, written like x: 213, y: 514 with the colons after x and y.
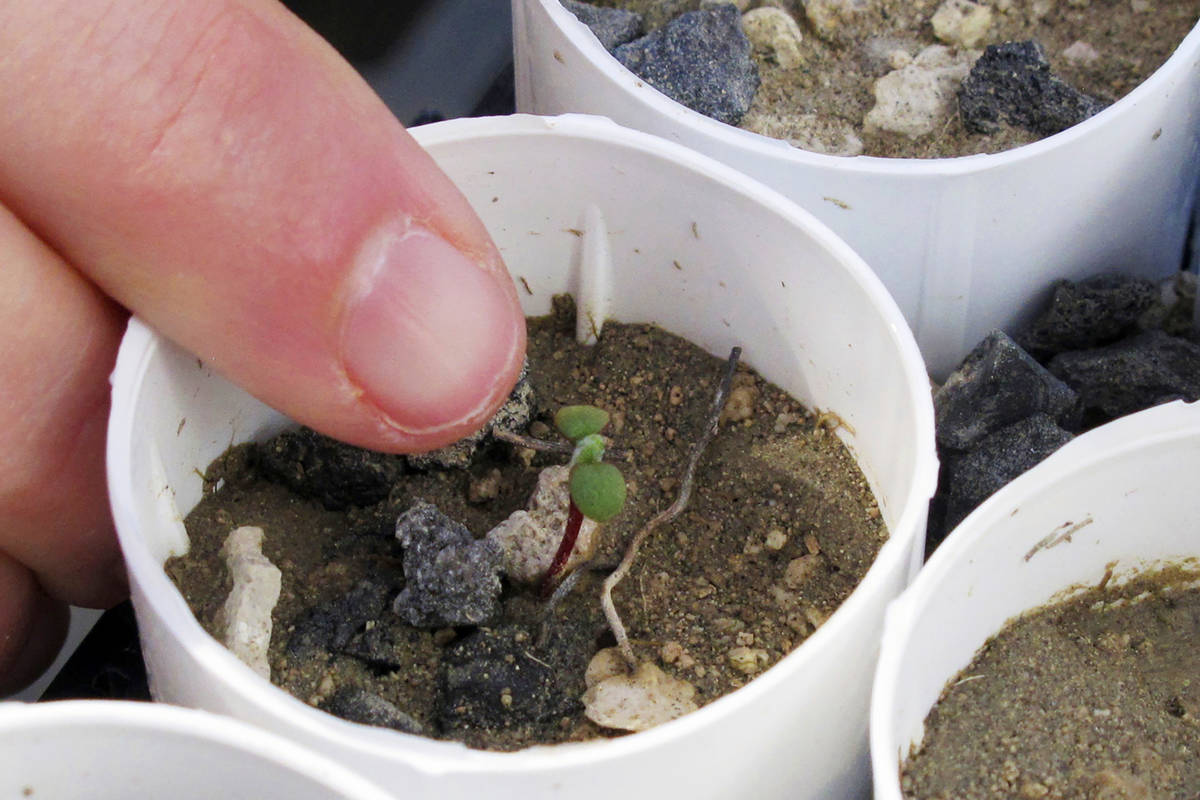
x: 358, y: 705
x: 331, y: 627
x: 996, y: 460
x: 452, y: 578
x: 492, y: 678
x: 1135, y: 373
x: 1089, y: 313
x: 1011, y: 84
x: 337, y: 475
x: 700, y: 59
x: 612, y: 26
x: 997, y: 384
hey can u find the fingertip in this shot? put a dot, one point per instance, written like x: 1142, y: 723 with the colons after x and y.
x: 433, y: 339
x: 33, y: 626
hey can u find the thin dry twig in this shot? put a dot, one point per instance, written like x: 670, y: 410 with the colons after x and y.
x: 530, y: 443
x: 672, y: 511
x: 543, y: 446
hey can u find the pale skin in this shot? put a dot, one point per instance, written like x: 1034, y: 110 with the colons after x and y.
x: 214, y: 167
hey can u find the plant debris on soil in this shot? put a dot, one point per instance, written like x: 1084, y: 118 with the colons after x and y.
x: 780, y: 528
x: 895, y: 78
x: 1093, y: 697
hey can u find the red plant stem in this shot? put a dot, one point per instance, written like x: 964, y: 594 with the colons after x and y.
x: 563, y: 554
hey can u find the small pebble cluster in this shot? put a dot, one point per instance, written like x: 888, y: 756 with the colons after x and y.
x: 707, y: 60
x: 1102, y: 348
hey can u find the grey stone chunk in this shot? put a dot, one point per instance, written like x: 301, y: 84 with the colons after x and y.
x: 700, y: 59
x: 337, y: 475
x: 612, y: 26
x: 492, y: 678
x: 332, y: 626
x: 514, y: 415
x: 452, y: 578
x: 358, y: 705
x: 996, y: 385
x: 1011, y: 84
x: 1135, y: 373
x: 1088, y: 313
x: 996, y: 460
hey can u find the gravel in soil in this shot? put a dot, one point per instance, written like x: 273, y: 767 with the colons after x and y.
x: 1124, y: 41
x: 781, y: 527
x: 1096, y: 697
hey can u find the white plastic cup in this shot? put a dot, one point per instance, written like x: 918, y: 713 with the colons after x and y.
x: 112, y: 750
x: 704, y: 252
x: 965, y: 245
x: 1124, y: 492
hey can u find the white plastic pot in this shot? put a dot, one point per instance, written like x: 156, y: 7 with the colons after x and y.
x: 704, y: 252
x: 965, y: 245
x: 1121, y: 493
x: 105, y: 750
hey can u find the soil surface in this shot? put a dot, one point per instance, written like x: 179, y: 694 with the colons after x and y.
x: 780, y: 528
x: 1094, y: 698
x: 1128, y: 40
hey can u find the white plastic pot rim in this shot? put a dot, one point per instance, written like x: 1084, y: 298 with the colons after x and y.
x: 641, y: 93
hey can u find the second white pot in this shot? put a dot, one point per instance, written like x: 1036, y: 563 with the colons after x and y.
x: 1121, y: 494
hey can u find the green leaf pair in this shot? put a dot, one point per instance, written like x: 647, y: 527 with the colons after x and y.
x: 597, y: 489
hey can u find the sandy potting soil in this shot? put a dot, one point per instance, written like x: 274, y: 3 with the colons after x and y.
x: 1094, y: 698
x: 780, y: 528
x: 1103, y: 48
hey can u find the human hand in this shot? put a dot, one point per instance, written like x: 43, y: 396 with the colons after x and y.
x: 217, y: 169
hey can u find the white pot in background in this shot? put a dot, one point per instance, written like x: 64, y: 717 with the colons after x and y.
x: 1124, y: 493
x: 110, y: 750
x: 686, y: 243
x: 965, y: 245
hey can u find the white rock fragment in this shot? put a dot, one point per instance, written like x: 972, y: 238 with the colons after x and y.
x: 529, y: 539
x: 639, y: 701
x: 917, y: 99
x: 826, y: 16
x: 962, y: 22
x: 607, y: 663
x: 748, y: 660
x: 1080, y: 53
x: 246, y: 616
x: 776, y: 32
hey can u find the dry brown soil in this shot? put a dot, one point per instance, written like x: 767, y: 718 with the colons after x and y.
x: 1095, y: 698
x: 774, y: 489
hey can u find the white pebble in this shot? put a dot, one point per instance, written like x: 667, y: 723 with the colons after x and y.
x: 917, y: 99
x: 246, y: 615
x: 639, y: 701
x: 529, y: 539
x: 1080, y: 53
x: 962, y: 22
x: 826, y: 16
x: 775, y: 31
x: 748, y: 660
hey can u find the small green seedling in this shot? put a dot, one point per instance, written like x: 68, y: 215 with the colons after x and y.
x: 597, y: 489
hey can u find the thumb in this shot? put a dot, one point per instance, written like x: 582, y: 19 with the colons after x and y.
x: 217, y: 169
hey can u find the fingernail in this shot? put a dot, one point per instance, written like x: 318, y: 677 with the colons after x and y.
x: 430, y: 336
